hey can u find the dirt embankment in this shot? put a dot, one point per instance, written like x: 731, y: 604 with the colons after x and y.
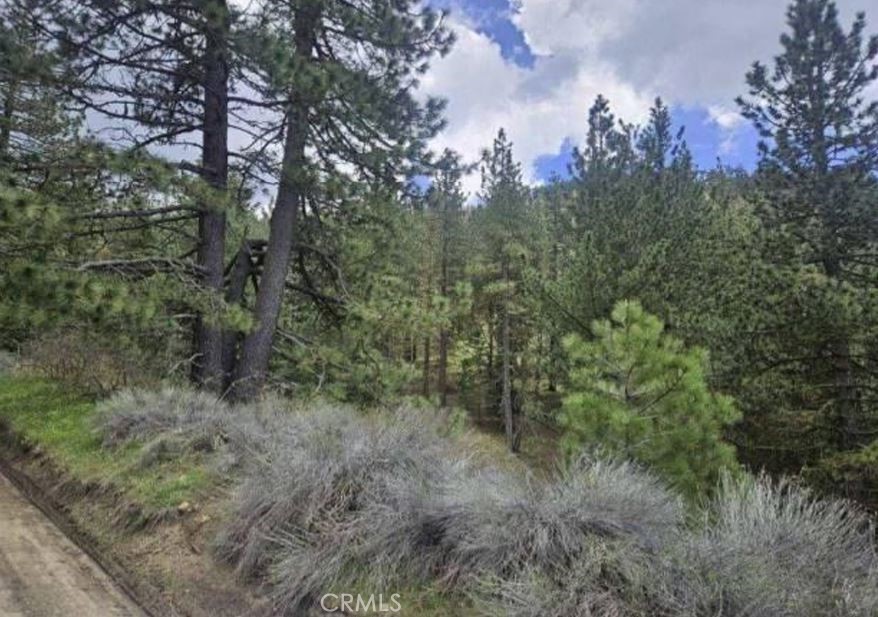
x: 43, y: 574
x: 162, y: 562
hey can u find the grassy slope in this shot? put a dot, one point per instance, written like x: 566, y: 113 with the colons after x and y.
x: 48, y: 415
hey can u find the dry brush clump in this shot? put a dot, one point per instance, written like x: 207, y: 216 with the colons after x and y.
x: 352, y: 502
x: 764, y: 549
x: 92, y: 362
x: 143, y: 414
x: 500, y: 523
x: 174, y: 420
x: 340, y: 496
x: 590, y: 542
x: 772, y: 549
x: 332, y: 499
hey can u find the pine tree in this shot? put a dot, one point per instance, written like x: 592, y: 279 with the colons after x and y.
x: 818, y: 159
x: 28, y: 117
x: 336, y: 109
x: 505, y: 227
x: 159, y: 71
x: 655, y: 141
x: 820, y: 134
x: 445, y: 201
x: 639, y: 393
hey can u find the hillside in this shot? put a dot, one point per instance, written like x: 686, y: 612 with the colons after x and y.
x: 295, y: 502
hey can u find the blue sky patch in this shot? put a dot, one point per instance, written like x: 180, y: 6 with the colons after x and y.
x: 557, y: 164
x: 493, y: 18
x: 711, y: 143
x: 708, y: 142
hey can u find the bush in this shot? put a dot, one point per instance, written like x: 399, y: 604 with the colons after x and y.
x: 345, y: 501
x: 334, y: 500
x: 585, y: 543
x: 497, y: 524
x: 338, y: 499
x: 639, y: 393
x: 763, y: 550
x: 91, y: 362
x: 771, y: 549
x: 608, y: 581
x: 141, y: 414
x: 174, y: 420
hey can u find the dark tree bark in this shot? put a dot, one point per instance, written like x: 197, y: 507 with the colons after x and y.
x: 208, y: 366
x: 490, y: 377
x: 6, y: 122
x: 506, y: 393
x: 851, y: 429
x: 242, y: 270
x: 252, y: 368
x: 425, y: 386
x: 442, y: 369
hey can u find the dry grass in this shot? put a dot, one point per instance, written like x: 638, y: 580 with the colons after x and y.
x: 332, y: 499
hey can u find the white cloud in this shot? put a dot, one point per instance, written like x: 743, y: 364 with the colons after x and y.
x: 557, y: 26
x: 729, y: 121
x: 693, y: 53
x: 726, y: 118
x: 689, y: 51
x: 539, y: 107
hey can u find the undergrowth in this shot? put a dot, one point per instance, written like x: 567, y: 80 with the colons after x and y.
x: 60, y: 423
x: 331, y: 499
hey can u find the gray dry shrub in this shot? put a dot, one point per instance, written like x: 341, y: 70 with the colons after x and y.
x: 343, y: 500
x: 499, y: 524
x: 332, y: 499
x: 607, y: 580
x: 772, y: 549
x: 338, y: 495
x: 144, y: 414
x: 589, y: 542
x: 173, y: 421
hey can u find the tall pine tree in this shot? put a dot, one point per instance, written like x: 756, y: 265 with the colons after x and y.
x: 819, y: 154
x: 344, y: 115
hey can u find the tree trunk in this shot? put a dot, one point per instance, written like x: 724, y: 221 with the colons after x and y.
x: 490, y: 379
x: 506, y: 396
x: 252, y: 368
x: 425, y: 387
x: 554, y: 352
x: 208, y: 366
x: 849, y: 419
x: 442, y: 369
x: 538, y: 365
x: 241, y: 271
x: 8, y: 118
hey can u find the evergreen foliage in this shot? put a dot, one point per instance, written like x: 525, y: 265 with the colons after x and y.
x: 310, y: 243
x: 639, y: 393
x: 819, y: 153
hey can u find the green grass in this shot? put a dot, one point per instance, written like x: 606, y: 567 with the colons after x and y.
x: 60, y: 422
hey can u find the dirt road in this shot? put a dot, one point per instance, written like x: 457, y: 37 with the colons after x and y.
x: 43, y: 574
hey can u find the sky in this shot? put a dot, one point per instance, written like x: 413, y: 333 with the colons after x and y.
x: 534, y: 67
